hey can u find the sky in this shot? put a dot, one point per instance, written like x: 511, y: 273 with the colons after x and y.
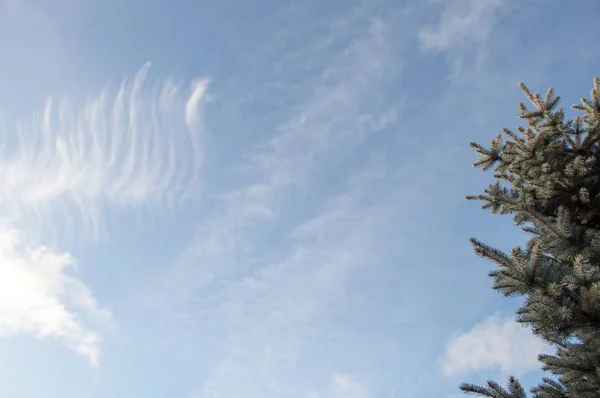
x: 264, y: 198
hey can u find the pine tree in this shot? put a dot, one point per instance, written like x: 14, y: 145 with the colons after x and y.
x: 547, y: 176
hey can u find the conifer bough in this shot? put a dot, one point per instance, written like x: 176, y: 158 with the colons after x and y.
x: 547, y: 176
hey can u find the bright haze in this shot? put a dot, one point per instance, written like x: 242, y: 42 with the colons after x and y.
x: 222, y: 199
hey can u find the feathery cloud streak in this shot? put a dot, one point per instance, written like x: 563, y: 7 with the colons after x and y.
x: 138, y: 146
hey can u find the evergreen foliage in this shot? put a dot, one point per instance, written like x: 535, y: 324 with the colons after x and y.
x: 547, y: 176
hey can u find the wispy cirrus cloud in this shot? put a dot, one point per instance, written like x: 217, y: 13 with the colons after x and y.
x: 462, y: 24
x: 463, y: 33
x: 265, y: 282
x: 138, y: 146
x: 335, y: 116
x: 269, y: 313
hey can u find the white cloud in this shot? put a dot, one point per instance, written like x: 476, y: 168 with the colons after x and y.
x: 39, y: 297
x: 494, y: 344
x: 342, y: 386
x: 345, y: 386
x: 462, y: 23
x: 138, y: 146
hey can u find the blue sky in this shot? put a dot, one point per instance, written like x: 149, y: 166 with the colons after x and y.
x: 263, y: 198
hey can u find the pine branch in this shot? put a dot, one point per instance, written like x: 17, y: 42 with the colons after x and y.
x: 494, y: 390
x: 552, y: 172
